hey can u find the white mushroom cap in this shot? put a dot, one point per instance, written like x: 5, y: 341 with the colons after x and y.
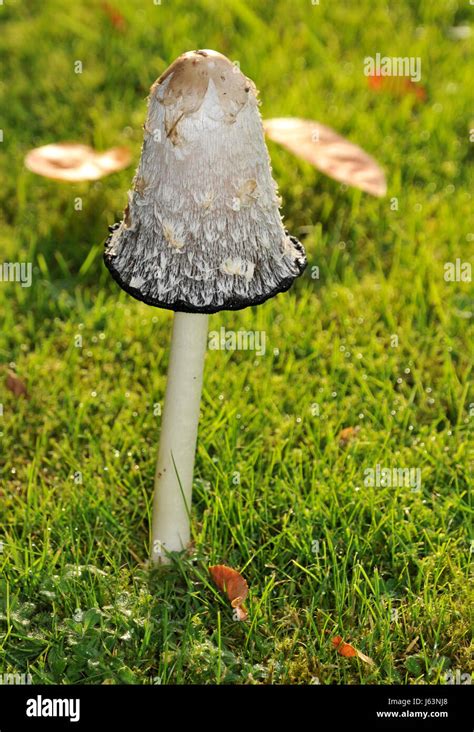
x: 202, y: 231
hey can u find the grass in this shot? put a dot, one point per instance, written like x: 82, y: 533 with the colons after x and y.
x: 379, y: 341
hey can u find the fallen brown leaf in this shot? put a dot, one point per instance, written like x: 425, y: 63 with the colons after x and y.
x: 329, y: 152
x: 115, y: 16
x: 74, y: 162
x: 16, y: 385
x: 348, y: 434
x: 344, y: 649
x: 364, y: 658
x: 231, y: 582
x: 348, y: 651
x: 397, y: 86
x: 411, y: 645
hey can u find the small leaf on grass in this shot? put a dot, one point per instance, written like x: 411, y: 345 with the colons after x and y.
x: 74, y: 162
x: 364, y: 658
x: 348, y: 651
x: 397, y: 86
x: 344, y: 649
x: 348, y: 434
x: 231, y: 582
x: 115, y: 16
x: 16, y: 385
x: 329, y: 152
x: 411, y: 646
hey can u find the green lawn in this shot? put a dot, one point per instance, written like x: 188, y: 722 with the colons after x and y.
x: 380, y: 341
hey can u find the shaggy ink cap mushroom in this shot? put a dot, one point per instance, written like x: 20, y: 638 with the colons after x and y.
x: 202, y: 230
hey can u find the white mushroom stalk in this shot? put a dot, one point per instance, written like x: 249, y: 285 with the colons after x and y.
x: 174, y: 469
x: 202, y: 232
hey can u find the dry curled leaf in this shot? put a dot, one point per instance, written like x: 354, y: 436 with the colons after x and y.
x: 397, y: 86
x: 115, y: 16
x: 329, y: 152
x: 348, y: 651
x: 348, y: 434
x: 231, y: 582
x: 344, y: 649
x: 71, y: 161
x: 411, y: 645
x: 364, y: 658
x: 16, y: 385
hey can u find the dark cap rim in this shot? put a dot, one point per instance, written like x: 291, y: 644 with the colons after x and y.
x: 179, y: 306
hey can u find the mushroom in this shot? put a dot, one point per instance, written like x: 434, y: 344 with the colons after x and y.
x: 202, y: 232
x: 73, y: 162
x: 328, y: 152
